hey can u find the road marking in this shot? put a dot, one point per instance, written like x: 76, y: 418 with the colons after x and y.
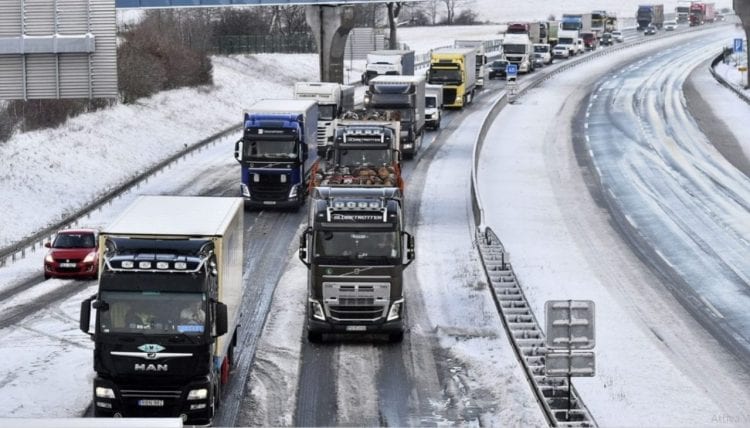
x: 712, y: 308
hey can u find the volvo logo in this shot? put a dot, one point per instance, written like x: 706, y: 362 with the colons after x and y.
x: 151, y: 348
x: 151, y: 367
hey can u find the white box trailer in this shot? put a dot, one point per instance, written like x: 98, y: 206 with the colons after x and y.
x: 481, y: 58
x: 388, y: 62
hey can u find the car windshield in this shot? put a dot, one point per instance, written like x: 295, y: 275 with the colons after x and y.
x: 499, y: 64
x: 430, y: 102
x: 74, y: 240
x: 541, y: 49
x: 356, y: 247
x: 152, y: 312
x: 271, y: 149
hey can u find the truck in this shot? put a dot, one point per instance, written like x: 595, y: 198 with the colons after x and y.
x: 539, y: 32
x: 682, y: 12
x: 571, y: 39
x: 365, y: 153
x: 167, y: 307
x: 388, y: 62
x: 334, y: 99
x: 701, y: 13
x: 356, y: 250
x: 554, y: 29
x: 481, y: 58
x: 599, y: 22
x: 650, y: 14
x: 572, y: 22
x: 277, y: 151
x: 403, y: 95
x: 433, y: 105
x: 518, y: 49
x: 455, y: 69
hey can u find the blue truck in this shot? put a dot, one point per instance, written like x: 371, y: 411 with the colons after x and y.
x: 277, y: 152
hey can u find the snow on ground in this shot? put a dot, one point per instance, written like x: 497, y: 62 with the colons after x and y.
x: 655, y: 365
x: 422, y: 39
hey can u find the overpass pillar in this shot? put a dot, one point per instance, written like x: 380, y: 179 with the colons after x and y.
x: 742, y: 9
x: 331, y: 26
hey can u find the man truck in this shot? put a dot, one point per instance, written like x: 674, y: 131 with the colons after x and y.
x: 455, y: 69
x: 387, y: 63
x: 433, y: 105
x: 277, y: 152
x: 167, y: 307
x: 333, y: 99
x: 403, y: 95
x: 356, y: 249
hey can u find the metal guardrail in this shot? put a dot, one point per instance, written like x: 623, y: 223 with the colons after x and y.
x: 519, y: 321
x: 740, y: 93
x: 30, y: 243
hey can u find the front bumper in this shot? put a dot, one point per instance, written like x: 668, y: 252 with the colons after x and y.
x: 141, y: 401
x: 334, y: 327
x: 81, y: 270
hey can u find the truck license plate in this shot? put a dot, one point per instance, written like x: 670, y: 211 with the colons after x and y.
x: 269, y: 202
x: 151, y: 403
x: 67, y: 265
x: 356, y: 328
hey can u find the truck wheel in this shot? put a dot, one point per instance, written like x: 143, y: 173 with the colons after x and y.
x: 437, y: 124
x: 314, y: 336
x: 396, y: 337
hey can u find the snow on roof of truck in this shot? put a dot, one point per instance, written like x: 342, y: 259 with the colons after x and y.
x: 175, y: 216
x: 397, y: 79
x: 390, y: 52
x: 453, y: 51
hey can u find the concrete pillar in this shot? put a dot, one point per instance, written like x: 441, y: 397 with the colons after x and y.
x: 331, y: 26
x: 742, y: 8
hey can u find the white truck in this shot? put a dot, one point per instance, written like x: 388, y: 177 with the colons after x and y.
x: 388, y: 63
x: 334, y: 99
x: 518, y: 49
x: 404, y: 95
x: 481, y: 58
x: 433, y: 105
x: 167, y: 307
x: 571, y: 39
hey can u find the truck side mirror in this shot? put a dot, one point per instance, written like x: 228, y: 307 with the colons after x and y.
x: 85, y: 318
x: 222, y: 323
x: 238, y: 146
x: 303, y: 247
x: 410, y: 252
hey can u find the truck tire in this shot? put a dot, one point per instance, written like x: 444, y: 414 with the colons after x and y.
x: 314, y: 336
x: 396, y: 337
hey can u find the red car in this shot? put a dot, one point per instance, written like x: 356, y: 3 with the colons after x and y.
x: 72, y: 254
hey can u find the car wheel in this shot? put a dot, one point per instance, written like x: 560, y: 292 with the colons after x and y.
x: 396, y: 337
x: 314, y: 336
x: 47, y: 276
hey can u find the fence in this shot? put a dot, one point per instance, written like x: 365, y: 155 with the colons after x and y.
x: 264, y: 43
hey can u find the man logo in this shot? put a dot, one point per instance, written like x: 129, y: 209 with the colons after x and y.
x: 151, y: 348
x: 151, y: 367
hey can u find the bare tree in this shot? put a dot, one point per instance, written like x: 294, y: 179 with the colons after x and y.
x: 451, y: 6
x: 394, y: 9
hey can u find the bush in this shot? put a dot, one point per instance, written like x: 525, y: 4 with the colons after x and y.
x: 157, y: 54
x: 32, y: 115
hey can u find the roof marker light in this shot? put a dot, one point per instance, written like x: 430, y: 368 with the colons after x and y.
x: 180, y: 265
x: 162, y: 265
x: 126, y: 264
x: 144, y: 265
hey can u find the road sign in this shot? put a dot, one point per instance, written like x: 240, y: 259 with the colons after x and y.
x: 570, y: 324
x: 573, y: 364
x: 511, y: 70
x: 738, y: 45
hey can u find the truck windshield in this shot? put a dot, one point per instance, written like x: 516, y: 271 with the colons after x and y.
x: 270, y: 149
x: 354, y: 156
x: 152, y: 312
x: 565, y: 41
x: 541, y: 49
x: 326, y: 112
x: 514, y: 49
x: 445, y: 75
x: 357, y: 247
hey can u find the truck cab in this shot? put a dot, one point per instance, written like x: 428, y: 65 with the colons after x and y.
x: 455, y: 70
x: 277, y: 152
x: 356, y: 250
x: 518, y: 49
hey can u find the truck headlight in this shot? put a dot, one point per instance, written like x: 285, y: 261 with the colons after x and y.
x: 198, y: 394
x: 317, y: 310
x: 90, y: 257
x: 102, y: 392
x: 293, y: 191
x: 395, y: 312
x: 245, y: 190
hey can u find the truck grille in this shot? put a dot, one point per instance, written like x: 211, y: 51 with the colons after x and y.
x: 449, y: 96
x: 356, y: 301
x: 322, y: 135
x: 270, y: 188
x: 141, y: 393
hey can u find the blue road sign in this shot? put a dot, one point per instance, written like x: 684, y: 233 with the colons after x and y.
x: 738, y: 45
x: 511, y: 69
